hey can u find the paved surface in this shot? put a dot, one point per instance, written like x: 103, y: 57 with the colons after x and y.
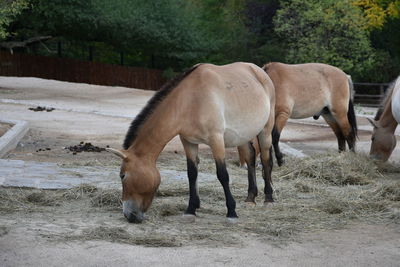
x: 84, y: 110
x: 48, y: 175
x: 102, y: 115
x: 10, y: 139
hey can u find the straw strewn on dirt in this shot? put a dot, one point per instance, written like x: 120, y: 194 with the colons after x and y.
x: 316, y: 193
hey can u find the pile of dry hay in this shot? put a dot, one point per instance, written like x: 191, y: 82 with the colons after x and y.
x: 316, y: 193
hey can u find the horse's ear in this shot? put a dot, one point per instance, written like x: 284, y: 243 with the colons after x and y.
x: 117, y: 152
x: 373, y: 122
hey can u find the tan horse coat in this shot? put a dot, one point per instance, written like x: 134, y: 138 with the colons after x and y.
x: 221, y: 106
x: 313, y: 89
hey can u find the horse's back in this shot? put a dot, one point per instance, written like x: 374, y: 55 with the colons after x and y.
x: 305, y: 89
x: 232, y: 99
x: 396, y: 101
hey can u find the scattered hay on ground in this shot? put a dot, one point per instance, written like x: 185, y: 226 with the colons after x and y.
x: 106, y: 198
x: 334, y: 168
x: 318, y: 193
x: 16, y: 199
x: 121, y: 235
x: 42, y: 198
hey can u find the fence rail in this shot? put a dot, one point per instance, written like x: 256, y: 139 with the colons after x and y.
x: 71, y: 70
x: 370, y: 94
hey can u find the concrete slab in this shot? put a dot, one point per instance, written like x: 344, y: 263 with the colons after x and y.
x: 45, y: 175
x: 11, y: 138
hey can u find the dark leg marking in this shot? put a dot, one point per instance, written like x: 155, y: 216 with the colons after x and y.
x: 223, y: 178
x: 252, y: 190
x: 351, y: 117
x: 336, y: 129
x: 194, y: 200
x: 275, y: 141
x: 267, y: 171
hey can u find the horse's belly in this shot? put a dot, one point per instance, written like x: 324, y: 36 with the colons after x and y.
x: 307, y: 110
x: 239, y: 134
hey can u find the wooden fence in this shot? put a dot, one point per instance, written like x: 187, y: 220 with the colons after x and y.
x: 370, y: 94
x: 71, y: 70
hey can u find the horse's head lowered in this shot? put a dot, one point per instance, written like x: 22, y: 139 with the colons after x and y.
x: 140, y: 181
x: 383, y: 142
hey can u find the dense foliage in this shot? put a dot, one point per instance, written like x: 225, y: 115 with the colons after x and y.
x: 8, y: 11
x: 360, y: 36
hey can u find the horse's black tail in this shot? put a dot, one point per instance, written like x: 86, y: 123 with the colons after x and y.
x: 351, y: 116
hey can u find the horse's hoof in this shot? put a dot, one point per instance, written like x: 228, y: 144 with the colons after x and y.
x: 231, y: 220
x: 244, y: 166
x: 250, y: 204
x: 269, y: 203
x: 188, y: 218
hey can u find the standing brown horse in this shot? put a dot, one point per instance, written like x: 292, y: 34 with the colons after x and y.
x: 313, y: 90
x: 386, y: 120
x: 203, y: 105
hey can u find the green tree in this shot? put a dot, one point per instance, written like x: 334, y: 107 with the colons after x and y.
x: 327, y: 31
x: 165, y: 29
x: 9, y: 9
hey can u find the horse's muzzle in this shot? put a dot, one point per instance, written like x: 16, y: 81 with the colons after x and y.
x: 134, y: 218
x: 131, y: 212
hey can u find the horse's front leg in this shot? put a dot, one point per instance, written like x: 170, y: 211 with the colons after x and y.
x: 191, y: 151
x: 218, y: 149
x: 249, y: 155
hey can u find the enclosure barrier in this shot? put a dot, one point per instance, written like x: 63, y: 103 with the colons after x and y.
x: 370, y: 94
x: 71, y: 70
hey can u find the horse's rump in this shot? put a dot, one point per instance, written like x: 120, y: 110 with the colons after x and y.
x: 306, y: 89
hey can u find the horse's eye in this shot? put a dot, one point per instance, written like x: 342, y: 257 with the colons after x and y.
x: 372, y: 138
x: 122, y: 175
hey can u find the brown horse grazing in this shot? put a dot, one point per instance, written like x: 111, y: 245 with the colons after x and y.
x: 203, y: 105
x: 386, y: 120
x: 313, y: 89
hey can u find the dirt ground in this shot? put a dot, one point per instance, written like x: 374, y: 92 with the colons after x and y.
x: 4, y: 127
x: 85, y: 226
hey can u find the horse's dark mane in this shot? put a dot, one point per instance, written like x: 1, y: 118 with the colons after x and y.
x: 385, y: 100
x: 152, y: 104
x: 267, y: 65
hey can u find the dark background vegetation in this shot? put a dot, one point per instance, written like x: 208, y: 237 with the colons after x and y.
x: 361, y: 37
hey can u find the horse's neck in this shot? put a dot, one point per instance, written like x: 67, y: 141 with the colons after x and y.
x: 156, y: 132
x: 387, y: 120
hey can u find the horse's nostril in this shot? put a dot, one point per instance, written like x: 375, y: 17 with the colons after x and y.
x: 134, y: 218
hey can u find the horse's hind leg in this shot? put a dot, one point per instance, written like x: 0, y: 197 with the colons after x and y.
x: 336, y: 129
x: 191, y: 151
x: 249, y: 155
x: 344, y: 125
x: 275, y: 141
x: 218, y: 149
x: 242, y: 157
x: 265, y: 141
x: 280, y: 122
